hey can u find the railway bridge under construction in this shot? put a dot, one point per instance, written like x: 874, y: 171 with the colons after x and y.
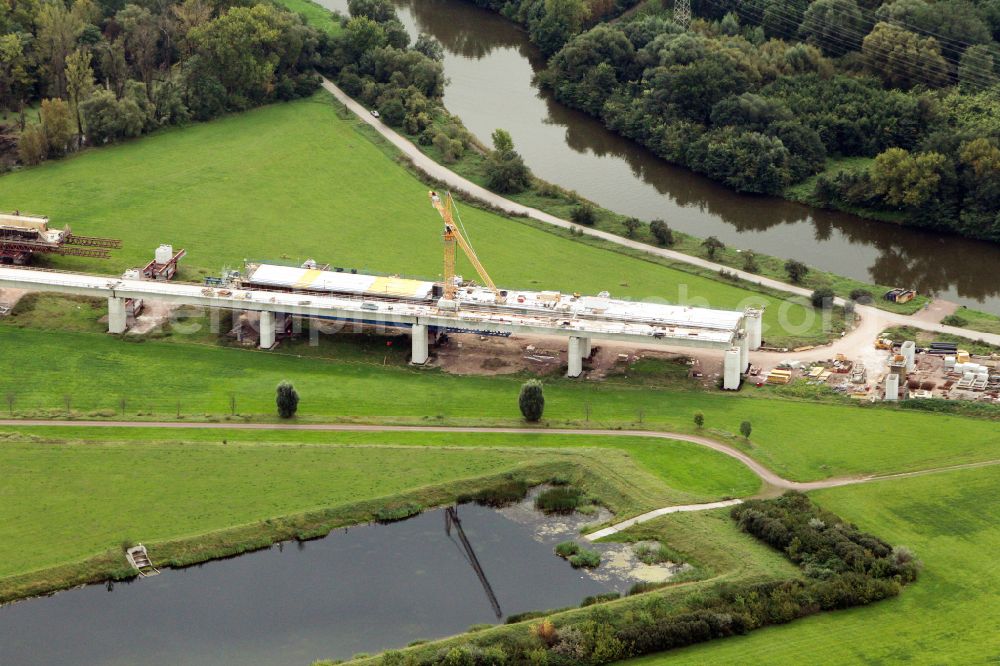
x: 314, y: 293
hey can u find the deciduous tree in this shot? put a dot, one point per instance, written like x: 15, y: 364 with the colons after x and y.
x: 287, y: 400
x: 531, y: 400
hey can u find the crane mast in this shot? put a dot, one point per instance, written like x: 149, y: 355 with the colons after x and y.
x: 452, y: 237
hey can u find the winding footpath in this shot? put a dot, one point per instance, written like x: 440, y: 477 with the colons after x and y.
x: 772, y: 481
x: 877, y: 318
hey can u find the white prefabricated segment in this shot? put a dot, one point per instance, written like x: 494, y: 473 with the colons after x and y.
x: 266, y: 330
x: 311, y: 279
x: 418, y: 338
x: 909, y: 350
x: 575, y: 358
x: 755, y: 328
x: 117, y: 316
x: 731, y: 369
x: 892, y: 386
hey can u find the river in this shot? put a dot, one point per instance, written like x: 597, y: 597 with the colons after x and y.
x: 490, y: 65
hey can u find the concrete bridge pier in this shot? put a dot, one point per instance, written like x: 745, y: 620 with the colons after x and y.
x: 117, y: 317
x: 588, y: 348
x: 266, y: 329
x: 744, y: 352
x: 418, y: 338
x: 755, y: 328
x: 731, y: 369
x: 575, y: 356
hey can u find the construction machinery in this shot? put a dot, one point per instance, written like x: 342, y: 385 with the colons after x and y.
x: 452, y: 236
x: 21, y: 236
x: 884, y: 343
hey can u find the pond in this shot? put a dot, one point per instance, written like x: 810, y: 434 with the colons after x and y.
x: 362, y: 589
x: 491, y: 64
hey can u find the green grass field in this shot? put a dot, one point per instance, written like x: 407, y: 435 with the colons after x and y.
x: 798, y: 439
x: 314, y: 14
x: 63, y: 502
x: 976, y: 320
x: 295, y: 181
x: 950, y: 616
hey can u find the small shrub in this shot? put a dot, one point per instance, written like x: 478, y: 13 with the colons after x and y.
x: 699, y: 419
x: 561, y: 499
x: 584, y: 214
x: 746, y: 429
x: 796, y: 270
x: 599, y: 599
x: 955, y: 320
x: 527, y: 615
x: 822, y: 297
x: 567, y: 548
x: 862, y: 296
x: 391, y: 514
x: 712, y: 245
x: 750, y: 262
x: 645, y: 586
x: 657, y: 554
x: 545, y: 631
x: 588, y: 559
x: 502, y: 494
x: 661, y: 232
x: 631, y: 225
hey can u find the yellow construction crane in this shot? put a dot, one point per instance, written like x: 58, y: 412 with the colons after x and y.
x: 452, y: 236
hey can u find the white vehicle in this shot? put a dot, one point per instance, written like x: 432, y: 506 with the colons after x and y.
x: 375, y: 113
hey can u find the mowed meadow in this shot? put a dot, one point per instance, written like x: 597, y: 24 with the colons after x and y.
x: 299, y: 180
x: 949, y: 616
x: 801, y: 440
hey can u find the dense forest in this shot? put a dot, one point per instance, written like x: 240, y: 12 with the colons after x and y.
x: 886, y: 108
x: 88, y: 74
x: 96, y: 71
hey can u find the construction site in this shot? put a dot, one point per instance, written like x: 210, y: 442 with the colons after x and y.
x: 270, y: 296
x: 899, y: 370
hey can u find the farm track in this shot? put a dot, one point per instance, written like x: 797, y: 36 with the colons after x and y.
x: 773, y: 483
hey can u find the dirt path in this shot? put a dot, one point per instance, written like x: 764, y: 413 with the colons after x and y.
x: 852, y: 345
x: 770, y: 479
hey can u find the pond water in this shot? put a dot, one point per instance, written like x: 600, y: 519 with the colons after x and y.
x: 362, y: 589
x: 490, y: 64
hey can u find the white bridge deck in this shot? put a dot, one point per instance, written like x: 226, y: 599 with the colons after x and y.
x: 586, y: 317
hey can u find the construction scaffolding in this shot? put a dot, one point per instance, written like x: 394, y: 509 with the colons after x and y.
x: 21, y: 236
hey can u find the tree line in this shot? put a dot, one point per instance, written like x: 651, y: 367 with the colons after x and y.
x: 764, y: 95
x: 99, y: 71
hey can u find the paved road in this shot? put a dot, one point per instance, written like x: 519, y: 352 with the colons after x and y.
x: 656, y: 513
x: 878, y: 318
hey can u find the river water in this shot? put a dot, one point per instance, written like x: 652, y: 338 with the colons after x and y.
x: 366, y: 588
x: 490, y: 64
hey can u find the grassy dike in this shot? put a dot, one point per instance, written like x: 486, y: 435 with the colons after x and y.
x: 71, y: 505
